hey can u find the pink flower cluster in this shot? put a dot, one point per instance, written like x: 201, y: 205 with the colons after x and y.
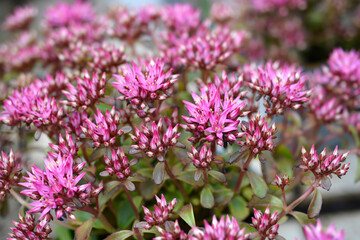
x: 316, y: 232
x: 265, y: 223
x: 20, y: 19
x: 10, y: 173
x: 29, y: 228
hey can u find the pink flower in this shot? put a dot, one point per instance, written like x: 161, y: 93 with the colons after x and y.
x: 201, y: 159
x: 10, y: 172
x: 20, y: 19
x: 282, y: 87
x: 89, y: 91
x: 173, y: 232
x: 64, y: 14
x: 266, y: 223
x: 323, y: 166
x: 317, y: 232
x: 107, y: 58
x: 221, y: 12
x: 345, y: 64
x: 75, y: 122
x: 225, y: 229
x: 145, y: 86
x: 65, y: 147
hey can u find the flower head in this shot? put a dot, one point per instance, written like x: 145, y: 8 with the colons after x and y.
x: 106, y: 58
x: 201, y: 159
x: 266, y: 223
x: 345, y: 64
x: 323, y: 165
x: 225, y: 229
x: 171, y: 232
x: 10, y: 173
x: 317, y: 232
x: 20, y: 19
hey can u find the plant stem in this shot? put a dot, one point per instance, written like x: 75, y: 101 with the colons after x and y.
x: 242, y: 173
x: 138, y: 234
x: 106, y: 223
x: 300, y: 199
x: 284, y: 197
x: 132, y: 203
x: 171, y: 175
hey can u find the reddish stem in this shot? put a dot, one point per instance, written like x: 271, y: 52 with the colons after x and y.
x: 242, y: 173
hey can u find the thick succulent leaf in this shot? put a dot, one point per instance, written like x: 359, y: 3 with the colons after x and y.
x: 258, y: 184
x: 325, y: 183
x: 302, y: 218
x: 238, y: 208
x: 315, y: 204
x: 235, y: 157
x: 187, y: 214
x: 218, y: 175
x: 223, y: 196
x: 159, y: 173
x: 275, y: 203
x: 121, y: 235
x: 207, y: 198
x: 83, y: 232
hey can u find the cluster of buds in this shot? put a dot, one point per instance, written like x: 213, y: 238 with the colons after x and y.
x: 312, y: 232
x: 282, y: 182
x: 144, y: 87
x: 65, y: 147
x: 323, y: 165
x: 160, y: 214
x: 231, y: 86
x: 282, y: 87
x: 221, y: 13
x: 105, y: 130
x: 57, y: 187
x: 215, y: 115
x: 27, y: 107
x: 119, y: 165
x: 21, y: 59
x: 207, y: 49
x: 51, y: 85
x: 266, y: 223
x: 155, y: 141
x: 75, y: 121
x: 224, y: 229
x: 202, y: 159
x: 172, y: 231
x: 257, y: 137
x: 30, y: 228
x: 20, y: 19
x: 107, y: 58
x: 89, y: 91
x: 10, y: 173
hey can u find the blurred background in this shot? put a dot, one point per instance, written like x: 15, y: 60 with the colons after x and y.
x: 311, y: 33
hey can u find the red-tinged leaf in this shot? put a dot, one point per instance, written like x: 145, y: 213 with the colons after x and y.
x: 315, y: 204
x: 325, y: 183
x: 121, y: 235
x: 235, y: 157
x: 302, y: 218
x: 258, y: 184
x: 129, y: 185
x: 207, y: 198
x: 198, y: 174
x: 187, y: 214
x: 159, y: 173
x: 83, y: 232
x: 275, y: 203
x: 218, y: 175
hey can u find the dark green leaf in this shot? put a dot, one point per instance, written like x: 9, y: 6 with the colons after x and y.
x: 218, y: 175
x: 188, y: 177
x: 187, y: 214
x: 148, y: 189
x: 275, y: 203
x: 258, y: 184
x: 302, y: 218
x: 238, y: 208
x: 125, y: 212
x: 223, y: 196
x: 121, y: 235
x: 315, y: 204
x: 207, y: 198
x: 83, y: 232
x: 63, y: 233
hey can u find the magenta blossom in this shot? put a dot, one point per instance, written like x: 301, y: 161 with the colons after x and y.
x: 20, y: 19
x: 225, y: 229
x: 317, y: 232
x: 266, y: 223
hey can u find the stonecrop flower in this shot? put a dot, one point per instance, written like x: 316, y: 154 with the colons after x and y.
x: 345, y: 64
x: 155, y: 141
x: 221, y: 12
x: 171, y: 232
x: 213, y: 115
x: 89, y: 91
x: 119, y: 165
x: 317, y: 232
x: 282, y: 86
x: 10, y: 173
x: 75, y: 121
x: 65, y: 14
x: 161, y: 212
x: 51, y: 85
x: 201, y: 159
x: 107, y: 58
x: 145, y: 86
x: 56, y: 188
x: 105, y: 129
x: 283, y: 6
x: 30, y: 228
x: 20, y: 19
x: 266, y: 223
x: 323, y: 165
x: 64, y: 147
x: 225, y: 229
x: 257, y: 136
x: 230, y: 85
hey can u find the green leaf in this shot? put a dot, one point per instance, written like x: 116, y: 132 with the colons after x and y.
x: 218, y: 175
x: 315, y: 204
x: 63, y: 233
x: 302, y: 218
x: 188, y: 177
x: 83, y: 232
x: 125, y: 212
x: 275, y: 203
x: 355, y: 134
x: 159, y: 173
x: 238, y: 208
x: 357, y: 178
x: 223, y: 196
x: 235, y: 157
x: 148, y: 189
x: 121, y: 235
x: 207, y: 198
x: 187, y: 214
x: 258, y: 184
